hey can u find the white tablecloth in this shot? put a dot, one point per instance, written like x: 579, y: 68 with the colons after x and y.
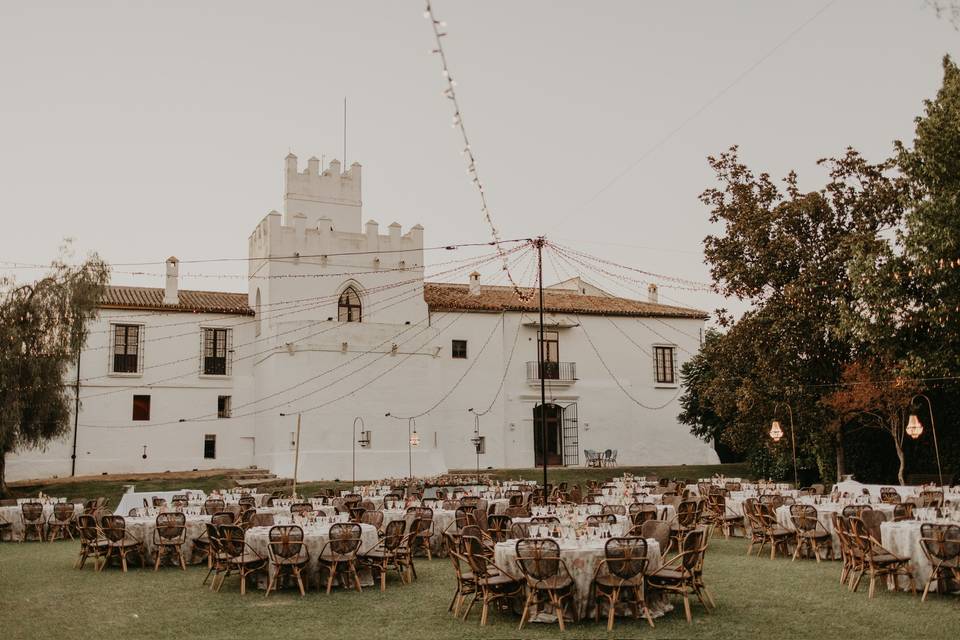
x: 903, y: 539
x: 14, y: 515
x: 315, y: 538
x: 825, y: 517
x: 582, y: 558
x: 142, y: 528
x: 134, y: 499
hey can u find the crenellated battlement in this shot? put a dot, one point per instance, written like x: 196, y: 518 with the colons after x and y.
x: 273, y: 237
x: 317, y: 192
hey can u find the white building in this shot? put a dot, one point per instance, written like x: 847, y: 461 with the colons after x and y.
x: 338, y: 323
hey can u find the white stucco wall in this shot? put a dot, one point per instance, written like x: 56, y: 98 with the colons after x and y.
x: 304, y: 360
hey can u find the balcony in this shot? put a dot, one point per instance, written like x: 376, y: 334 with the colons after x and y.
x: 554, y: 373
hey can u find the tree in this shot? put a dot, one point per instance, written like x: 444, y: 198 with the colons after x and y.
x: 787, y: 253
x: 43, y: 326
x: 873, y: 395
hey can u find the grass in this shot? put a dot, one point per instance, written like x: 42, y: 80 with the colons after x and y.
x: 43, y: 596
x: 111, y: 487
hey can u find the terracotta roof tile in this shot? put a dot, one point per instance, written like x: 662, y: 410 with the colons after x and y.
x: 448, y: 297
x: 440, y: 296
x: 151, y: 298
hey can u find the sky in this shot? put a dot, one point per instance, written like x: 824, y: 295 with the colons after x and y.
x: 149, y: 129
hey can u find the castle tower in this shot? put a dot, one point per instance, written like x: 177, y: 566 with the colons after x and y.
x: 327, y: 193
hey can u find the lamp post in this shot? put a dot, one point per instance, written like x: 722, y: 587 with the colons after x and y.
x: 296, y: 454
x: 353, y: 446
x: 476, y: 440
x: 915, y: 429
x: 776, y: 432
x: 413, y: 440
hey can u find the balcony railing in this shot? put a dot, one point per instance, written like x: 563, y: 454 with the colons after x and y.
x: 559, y: 371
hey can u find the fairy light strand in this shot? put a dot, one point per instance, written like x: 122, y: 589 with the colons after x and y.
x: 450, y: 93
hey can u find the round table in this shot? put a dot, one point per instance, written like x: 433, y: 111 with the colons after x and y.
x: 142, y: 528
x: 14, y: 515
x: 825, y: 513
x: 903, y: 539
x: 315, y: 537
x: 582, y: 557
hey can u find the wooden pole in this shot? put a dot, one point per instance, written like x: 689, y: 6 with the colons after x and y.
x: 296, y: 457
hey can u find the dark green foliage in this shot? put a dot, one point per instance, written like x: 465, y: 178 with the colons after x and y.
x: 43, y: 325
x: 867, y: 269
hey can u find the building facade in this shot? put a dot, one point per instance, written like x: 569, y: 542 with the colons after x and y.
x: 339, y: 326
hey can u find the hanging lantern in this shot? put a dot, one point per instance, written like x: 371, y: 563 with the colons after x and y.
x: 775, y: 431
x: 414, y: 439
x: 914, y: 426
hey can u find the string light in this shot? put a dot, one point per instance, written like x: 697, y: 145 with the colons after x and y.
x: 457, y: 123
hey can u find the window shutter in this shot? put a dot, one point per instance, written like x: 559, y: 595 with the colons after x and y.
x: 229, y: 368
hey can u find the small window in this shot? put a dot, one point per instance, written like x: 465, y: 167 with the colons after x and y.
x: 217, y: 352
x: 223, y: 406
x: 459, y: 349
x: 482, y: 444
x: 141, y: 407
x: 126, y: 348
x: 664, y: 364
x: 348, y: 306
x: 210, y: 446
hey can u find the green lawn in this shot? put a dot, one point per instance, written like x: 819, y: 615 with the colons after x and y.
x: 43, y: 596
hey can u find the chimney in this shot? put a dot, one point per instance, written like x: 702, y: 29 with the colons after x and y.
x: 474, y: 284
x: 170, y: 294
x: 652, y: 294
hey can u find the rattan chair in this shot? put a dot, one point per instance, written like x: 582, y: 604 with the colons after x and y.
x: 889, y: 495
x: 519, y: 530
x: 877, y: 561
x: 683, y: 573
x: 493, y: 584
x: 286, y: 552
x: 848, y: 556
x: 32, y: 514
x: 547, y: 577
x: 517, y: 512
x: 811, y: 535
x: 262, y: 520
x: 423, y: 534
x: 777, y: 536
x: 641, y: 512
x: 120, y: 541
x: 688, y: 518
x: 247, y: 502
x: 598, y: 520
x: 216, y: 558
x: 622, y: 573
x: 373, y: 518
x: 902, y: 511
x: 92, y: 543
x: 941, y: 546
x: 854, y: 510
x: 615, y: 509
x: 301, y: 508
x: 61, y: 522
x: 212, y: 506
x: 246, y: 518
x: 722, y: 516
x: 466, y: 585
x: 239, y: 557
x: 931, y: 498
x: 498, y: 527
x: 339, y: 554
x: 390, y: 552
x: 168, y: 538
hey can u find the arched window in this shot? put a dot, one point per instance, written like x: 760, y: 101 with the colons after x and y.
x: 348, y: 308
x: 257, y: 326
